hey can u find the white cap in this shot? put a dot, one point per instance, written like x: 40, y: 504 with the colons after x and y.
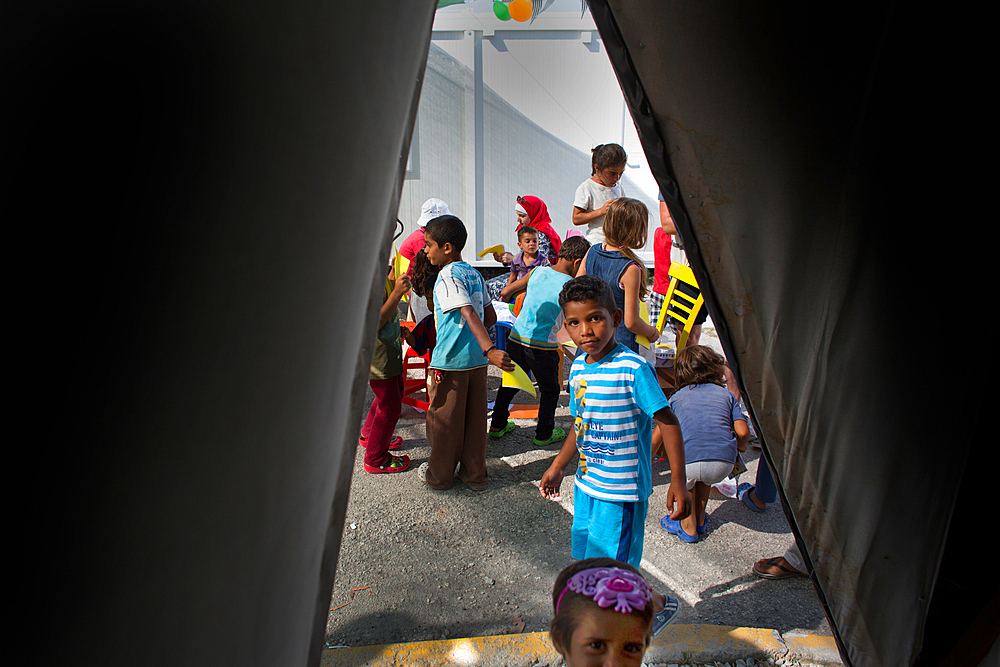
x: 432, y: 208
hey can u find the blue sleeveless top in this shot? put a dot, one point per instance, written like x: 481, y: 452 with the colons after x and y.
x: 609, y: 265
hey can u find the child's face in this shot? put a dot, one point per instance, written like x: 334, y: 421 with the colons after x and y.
x: 528, y: 243
x: 610, y: 176
x: 591, y: 327
x: 436, y: 255
x: 606, y: 637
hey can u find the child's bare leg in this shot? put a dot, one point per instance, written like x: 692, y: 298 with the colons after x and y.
x: 697, y: 517
x: 703, y: 494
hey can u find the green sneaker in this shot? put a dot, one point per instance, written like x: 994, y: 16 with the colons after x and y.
x: 504, y: 431
x: 558, y: 435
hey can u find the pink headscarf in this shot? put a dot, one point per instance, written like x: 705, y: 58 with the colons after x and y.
x: 538, y: 213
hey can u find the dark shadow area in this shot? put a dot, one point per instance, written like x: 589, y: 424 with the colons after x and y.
x: 964, y: 617
x: 759, y: 602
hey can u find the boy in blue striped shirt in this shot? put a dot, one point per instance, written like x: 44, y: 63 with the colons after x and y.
x: 615, y: 399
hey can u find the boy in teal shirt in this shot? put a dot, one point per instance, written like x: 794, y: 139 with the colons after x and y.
x: 533, y: 345
x: 456, y: 413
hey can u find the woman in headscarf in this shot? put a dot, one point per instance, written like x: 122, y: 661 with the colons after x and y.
x: 531, y: 212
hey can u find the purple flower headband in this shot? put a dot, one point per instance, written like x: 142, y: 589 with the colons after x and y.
x: 624, y: 589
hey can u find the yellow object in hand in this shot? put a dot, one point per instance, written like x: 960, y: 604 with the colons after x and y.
x: 496, y: 249
x: 518, y: 379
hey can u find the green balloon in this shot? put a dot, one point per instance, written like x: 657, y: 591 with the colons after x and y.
x: 500, y: 9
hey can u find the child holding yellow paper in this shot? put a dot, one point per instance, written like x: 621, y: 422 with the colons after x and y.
x: 528, y: 259
x: 386, y: 380
x: 616, y: 263
x: 533, y: 345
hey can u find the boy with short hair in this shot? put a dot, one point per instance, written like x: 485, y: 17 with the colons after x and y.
x: 532, y: 343
x: 615, y: 398
x: 457, y: 388
x: 528, y: 259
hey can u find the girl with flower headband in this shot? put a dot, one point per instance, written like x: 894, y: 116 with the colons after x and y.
x: 615, y: 262
x: 604, y: 611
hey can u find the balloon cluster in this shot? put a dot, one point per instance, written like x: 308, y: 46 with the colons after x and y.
x: 519, y: 10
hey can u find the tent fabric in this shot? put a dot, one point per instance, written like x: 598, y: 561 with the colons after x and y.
x: 774, y: 135
x: 207, y: 193
x: 189, y: 332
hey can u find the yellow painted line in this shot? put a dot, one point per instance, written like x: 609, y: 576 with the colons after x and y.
x: 708, y: 643
x: 677, y: 644
x: 530, y: 648
x: 812, y: 648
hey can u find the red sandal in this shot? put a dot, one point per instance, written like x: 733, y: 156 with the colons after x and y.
x: 391, y: 464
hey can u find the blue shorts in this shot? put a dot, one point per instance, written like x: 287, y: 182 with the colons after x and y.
x: 604, y: 528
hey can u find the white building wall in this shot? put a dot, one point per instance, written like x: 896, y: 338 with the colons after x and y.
x: 549, y: 96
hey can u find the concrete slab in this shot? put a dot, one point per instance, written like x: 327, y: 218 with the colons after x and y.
x: 812, y: 649
x: 506, y: 650
x: 420, y: 566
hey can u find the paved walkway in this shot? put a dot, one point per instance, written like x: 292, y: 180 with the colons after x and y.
x: 423, y: 566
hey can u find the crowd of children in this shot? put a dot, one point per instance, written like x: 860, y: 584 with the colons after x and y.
x: 592, y: 288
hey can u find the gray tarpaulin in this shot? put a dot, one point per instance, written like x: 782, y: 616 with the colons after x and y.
x: 199, y: 199
x: 780, y: 136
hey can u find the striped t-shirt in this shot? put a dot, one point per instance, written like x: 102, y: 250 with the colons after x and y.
x: 613, y: 402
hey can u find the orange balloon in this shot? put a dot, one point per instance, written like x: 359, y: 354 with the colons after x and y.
x: 520, y: 10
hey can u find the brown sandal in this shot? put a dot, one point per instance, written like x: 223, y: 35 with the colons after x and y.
x: 759, y: 568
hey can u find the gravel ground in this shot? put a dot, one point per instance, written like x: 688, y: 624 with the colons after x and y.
x: 417, y: 564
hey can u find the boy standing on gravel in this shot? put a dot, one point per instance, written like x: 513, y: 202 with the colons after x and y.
x: 456, y: 412
x: 615, y: 399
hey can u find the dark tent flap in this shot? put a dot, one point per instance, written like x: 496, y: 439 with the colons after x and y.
x: 766, y: 129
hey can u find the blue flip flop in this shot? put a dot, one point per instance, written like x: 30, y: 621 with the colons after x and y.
x: 743, y: 493
x: 703, y: 527
x: 666, y: 615
x: 674, y: 527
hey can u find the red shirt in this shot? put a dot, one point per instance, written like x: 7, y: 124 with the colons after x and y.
x: 412, y: 245
x: 661, y: 261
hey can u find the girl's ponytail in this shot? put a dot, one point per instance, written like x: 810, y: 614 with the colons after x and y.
x: 625, y: 229
x: 421, y: 270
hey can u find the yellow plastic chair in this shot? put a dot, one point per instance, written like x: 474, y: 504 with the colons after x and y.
x: 681, y: 306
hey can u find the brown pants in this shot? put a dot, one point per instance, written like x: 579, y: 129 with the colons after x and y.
x: 456, y: 428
